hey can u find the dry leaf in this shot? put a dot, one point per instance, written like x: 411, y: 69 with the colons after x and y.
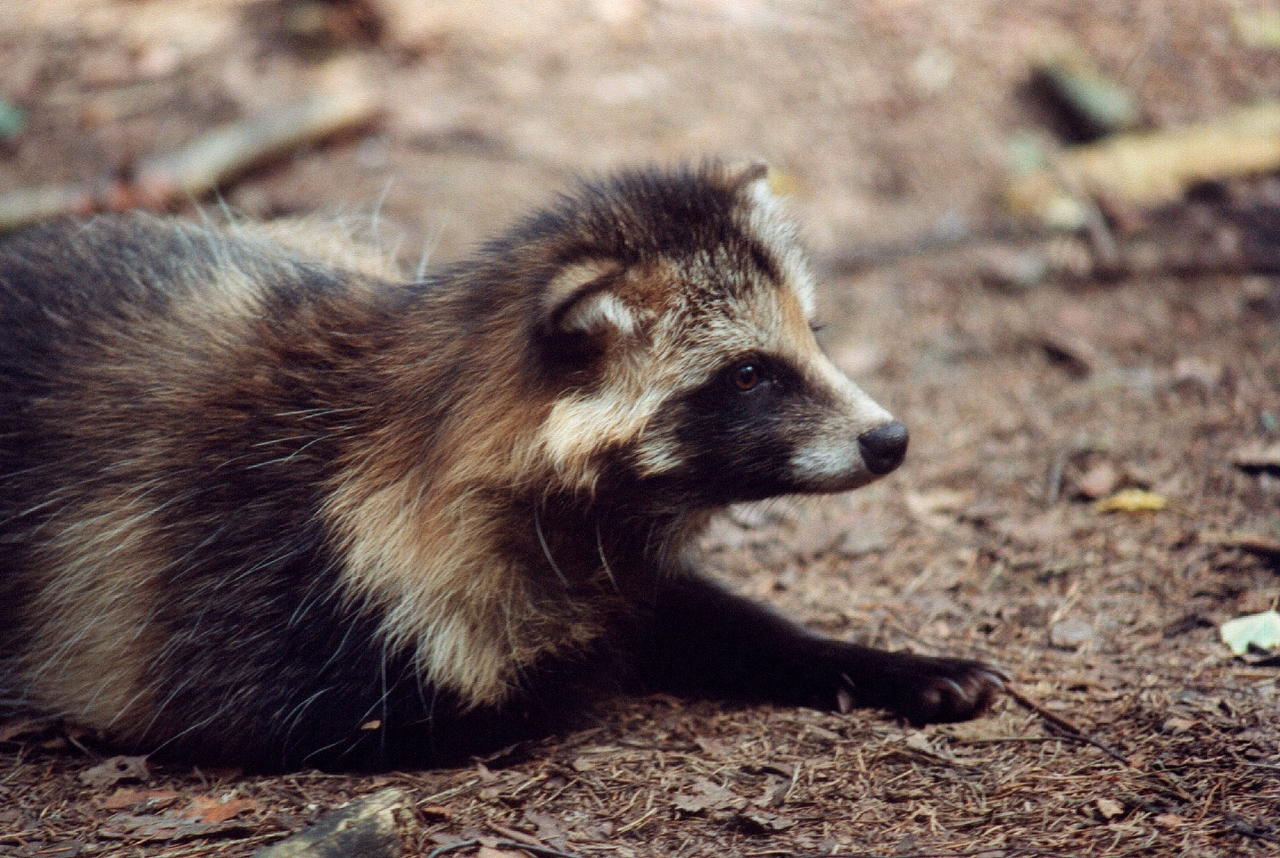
x: 124, y: 798
x: 548, y: 827
x: 711, y: 747
x: 710, y: 797
x: 167, y: 827
x: 209, y: 809
x: 1109, y: 808
x: 759, y: 822
x: 20, y: 727
x: 921, y: 745
x: 114, y: 770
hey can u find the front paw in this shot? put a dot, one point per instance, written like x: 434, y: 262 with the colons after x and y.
x: 921, y: 689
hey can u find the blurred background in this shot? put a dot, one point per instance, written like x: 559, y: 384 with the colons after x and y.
x: 891, y: 121
x: 1048, y: 233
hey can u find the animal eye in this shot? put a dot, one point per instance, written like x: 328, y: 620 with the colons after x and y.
x: 746, y: 376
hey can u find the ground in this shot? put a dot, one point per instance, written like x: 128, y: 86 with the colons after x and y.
x: 1028, y: 396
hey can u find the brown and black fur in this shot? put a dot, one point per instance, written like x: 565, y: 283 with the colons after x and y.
x: 262, y: 509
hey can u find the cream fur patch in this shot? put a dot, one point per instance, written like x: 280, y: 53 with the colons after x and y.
x: 599, y: 312
x: 86, y: 658
x: 341, y: 243
x: 580, y: 428
x: 569, y: 296
x: 830, y: 453
x: 425, y: 551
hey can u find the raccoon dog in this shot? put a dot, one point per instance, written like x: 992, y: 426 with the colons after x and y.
x: 263, y: 510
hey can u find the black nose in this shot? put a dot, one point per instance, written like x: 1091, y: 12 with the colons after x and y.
x: 883, y: 448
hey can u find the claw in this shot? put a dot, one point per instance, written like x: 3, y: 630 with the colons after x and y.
x: 963, y: 695
x: 922, y: 688
x: 997, y: 677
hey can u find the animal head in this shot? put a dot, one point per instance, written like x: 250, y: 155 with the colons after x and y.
x: 679, y: 307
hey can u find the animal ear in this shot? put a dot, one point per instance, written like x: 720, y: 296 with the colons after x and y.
x: 582, y: 300
x: 750, y: 176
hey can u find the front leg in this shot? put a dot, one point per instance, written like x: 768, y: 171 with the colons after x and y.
x: 707, y: 642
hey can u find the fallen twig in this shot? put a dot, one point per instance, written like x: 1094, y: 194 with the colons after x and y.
x: 28, y: 205
x: 210, y: 160
x: 1251, y: 542
x: 1162, y: 781
x: 1249, y: 829
x: 452, y: 847
x: 1152, y: 168
x: 236, y: 146
x: 1063, y: 724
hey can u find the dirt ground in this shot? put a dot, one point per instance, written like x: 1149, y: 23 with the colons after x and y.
x: 1028, y: 398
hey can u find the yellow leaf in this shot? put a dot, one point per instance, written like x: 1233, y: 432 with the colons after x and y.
x: 1132, y: 500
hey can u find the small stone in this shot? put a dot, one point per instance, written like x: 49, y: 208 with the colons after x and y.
x: 1195, y: 371
x: 1074, y: 354
x: 1012, y: 268
x: 1043, y: 529
x: 1071, y: 633
x: 1099, y: 481
x: 1175, y: 726
x: 933, y: 71
x: 860, y: 541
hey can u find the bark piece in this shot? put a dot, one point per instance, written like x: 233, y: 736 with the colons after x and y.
x: 373, y: 827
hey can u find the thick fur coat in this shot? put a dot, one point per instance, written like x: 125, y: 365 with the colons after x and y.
x: 262, y: 509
